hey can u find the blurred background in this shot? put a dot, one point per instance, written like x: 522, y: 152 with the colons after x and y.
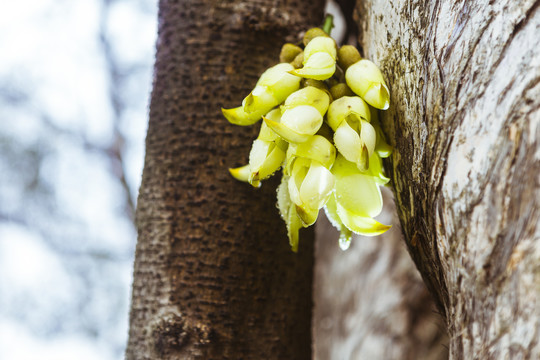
x: 75, y: 79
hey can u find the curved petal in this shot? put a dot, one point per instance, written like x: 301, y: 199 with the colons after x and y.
x: 346, y: 106
x: 303, y: 119
x: 317, y: 148
x: 238, y: 116
x: 323, y: 44
x: 368, y: 136
x: 260, y: 99
x: 286, y: 133
x: 365, y: 77
x: 310, y: 95
x: 316, y: 187
x: 320, y: 66
x: 348, y: 142
x: 356, y: 192
x: 360, y: 224
x: 307, y: 215
x: 241, y: 173
x: 345, y: 235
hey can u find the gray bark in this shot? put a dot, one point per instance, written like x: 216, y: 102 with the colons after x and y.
x: 464, y: 121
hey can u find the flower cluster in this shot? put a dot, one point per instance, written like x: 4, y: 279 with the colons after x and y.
x: 319, y: 111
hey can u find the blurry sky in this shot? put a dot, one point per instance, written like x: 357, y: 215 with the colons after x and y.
x: 75, y: 79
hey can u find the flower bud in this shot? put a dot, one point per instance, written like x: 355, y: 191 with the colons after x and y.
x: 365, y: 79
x: 339, y: 90
x: 354, y: 136
x: 272, y: 88
x: 348, y: 55
x: 312, y: 34
x: 347, y: 107
x: 289, y: 52
x: 319, y: 59
x: 309, y: 95
x: 266, y: 155
x: 297, y: 124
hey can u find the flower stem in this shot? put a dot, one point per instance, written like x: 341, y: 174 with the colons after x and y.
x: 328, y: 23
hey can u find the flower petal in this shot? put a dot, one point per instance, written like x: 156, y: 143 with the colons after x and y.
x: 345, y: 107
x: 360, y: 224
x: 238, y: 116
x: 317, y: 148
x: 286, y: 133
x: 309, y: 95
x: 366, y: 80
x: 320, y: 66
x: 316, y: 187
x: 241, y: 173
x: 356, y: 192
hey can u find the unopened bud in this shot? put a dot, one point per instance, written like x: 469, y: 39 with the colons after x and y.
x: 289, y: 52
x: 310, y: 95
x: 313, y: 33
x: 340, y: 90
x: 366, y: 80
x: 348, y: 55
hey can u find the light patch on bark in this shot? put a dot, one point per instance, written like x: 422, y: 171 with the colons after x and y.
x: 465, y: 123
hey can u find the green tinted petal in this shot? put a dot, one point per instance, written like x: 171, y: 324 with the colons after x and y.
x: 347, y: 107
x: 303, y: 119
x: 309, y: 95
x: 320, y: 66
x: 322, y: 44
x: 331, y: 213
x: 286, y: 133
x: 368, y: 136
x: 348, y: 142
x: 356, y: 192
x: 294, y: 224
x: 359, y: 224
x: 265, y: 133
x: 316, y: 148
x: 316, y: 187
x: 376, y: 169
x: 260, y: 99
x: 241, y: 173
x: 287, y: 211
x: 238, y: 116
x: 366, y: 80
x: 307, y: 215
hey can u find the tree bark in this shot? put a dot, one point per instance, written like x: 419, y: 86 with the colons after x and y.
x: 214, y: 274
x: 464, y: 122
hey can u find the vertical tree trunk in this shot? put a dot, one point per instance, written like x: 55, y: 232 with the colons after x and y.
x: 214, y: 275
x: 464, y: 78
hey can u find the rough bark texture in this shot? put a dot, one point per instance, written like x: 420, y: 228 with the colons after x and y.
x: 214, y: 275
x: 464, y: 78
x: 370, y: 301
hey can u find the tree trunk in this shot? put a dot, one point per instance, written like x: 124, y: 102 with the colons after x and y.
x: 464, y: 121
x: 214, y: 274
